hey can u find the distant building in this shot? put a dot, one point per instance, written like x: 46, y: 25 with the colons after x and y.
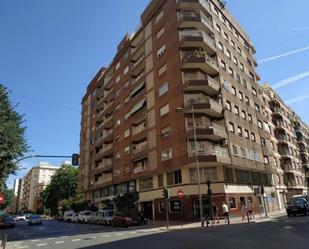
x: 34, y: 183
x: 15, y: 186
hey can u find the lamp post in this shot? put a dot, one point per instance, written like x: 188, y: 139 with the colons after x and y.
x: 181, y: 109
x: 209, y: 192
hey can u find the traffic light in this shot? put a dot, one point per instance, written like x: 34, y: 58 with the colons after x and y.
x: 165, y: 193
x: 262, y: 189
x: 75, y: 159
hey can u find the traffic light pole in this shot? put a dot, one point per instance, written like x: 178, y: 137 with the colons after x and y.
x: 167, y: 215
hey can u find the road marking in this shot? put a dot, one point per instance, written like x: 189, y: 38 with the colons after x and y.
x: 43, y: 244
x: 106, y: 235
x: 59, y: 242
x: 75, y: 240
x: 20, y: 247
x: 34, y: 240
x: 119, y: 234
x: 50, y: 238
x: 64, y: 236
x: 132, y: 232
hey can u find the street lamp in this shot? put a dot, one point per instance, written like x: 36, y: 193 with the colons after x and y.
x: 181, y: 109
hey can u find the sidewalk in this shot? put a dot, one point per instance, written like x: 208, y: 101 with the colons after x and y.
x: 176, y: 225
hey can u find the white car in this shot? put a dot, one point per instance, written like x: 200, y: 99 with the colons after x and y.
x: 68, y: 217
x: 20, y: 217
x: 84, y: 217
x: 105, y: 217
x: 74, y: 217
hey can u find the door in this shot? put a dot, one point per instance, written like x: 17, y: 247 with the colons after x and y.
x: 147, y: 209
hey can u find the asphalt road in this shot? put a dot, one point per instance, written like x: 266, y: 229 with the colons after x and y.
x: 283, y: 233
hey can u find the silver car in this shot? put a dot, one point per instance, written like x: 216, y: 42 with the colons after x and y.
x: 35, y: 220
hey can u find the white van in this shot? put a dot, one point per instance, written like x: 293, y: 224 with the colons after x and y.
x: 68, y: 215
x: 105, y: 216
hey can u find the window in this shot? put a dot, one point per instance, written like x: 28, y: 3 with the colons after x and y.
x: 218, y: 28
x: 160, y: 181
x: 257, y: 107
x: 126, y: 100
x: 226, y: 36
x: 263, y: 141
x: 231, y: 72
x: 236, y: 110
x: 233, y: 43
x: 127, y: 133
x: 166, y: 154
x: 163, y: 89
x: 126, y: 70
x: 231, y: 127
x: 241, y: 96
x: 242, y: 200
x: 238, y: 79
x: 228, y: 54
x: 220, y: 46
x: 228, y: 105
x: 160, y: 32
x: 243, y: 152
x: 117, y: 65
x: 174, y: 177
x: 159, y: 16
x: 232, y: 202
x: 251, y: 75
x: 161, y: 51
x: 205, y: 174
x: 234, y: 150
x: 223, y: 65
x: 117, y: 79
x: 117, y: 156
x: 247, y: 134
x: 126, y: 115
x: 266, y: 160
x: 117, y: 108
x: 235, y: 60
x: 241, y: 66
x: 252, y: 136
x: 247, y: 100
x: 127, y: 150
x: 254, y: 91
x: 243, y: 114
x: 162, y: 70
x: 164, y: 110
x: 117, y: 94
x: 125, y: 85
x: 259, y: 124
x: 165, y: 132
x: 146, y: 183
x: 239, y: 131
x: 233, y: 90
x: 239, y: 50
x: 228, y: 174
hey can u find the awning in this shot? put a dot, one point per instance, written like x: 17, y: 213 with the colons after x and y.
x: 136, y: 89
x: 138, y: 106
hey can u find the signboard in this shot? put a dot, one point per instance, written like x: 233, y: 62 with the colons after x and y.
x: 1, y: 199
x: 180, y: 194
x: 175, y: 206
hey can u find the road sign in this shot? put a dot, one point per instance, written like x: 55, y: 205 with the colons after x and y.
x: 1, y: 198
x: 180, y: 194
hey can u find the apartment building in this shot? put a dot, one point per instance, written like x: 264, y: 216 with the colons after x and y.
x: 17, y: 188
x: 191, y: 56
x: 34, y: 183
x: 291, y: 143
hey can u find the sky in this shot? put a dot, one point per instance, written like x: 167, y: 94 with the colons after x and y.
x: 50, y: 50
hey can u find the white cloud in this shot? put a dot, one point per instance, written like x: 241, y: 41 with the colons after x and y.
x: 283, y: 55
x: 298, y: 99
x: 290, y: 80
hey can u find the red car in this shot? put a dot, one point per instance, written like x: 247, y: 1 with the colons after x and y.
x: 121, y: 220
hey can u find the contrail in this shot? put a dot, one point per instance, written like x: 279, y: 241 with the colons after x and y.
x: 282, y: 55
x: 290, y: 80
x: 291, y: 101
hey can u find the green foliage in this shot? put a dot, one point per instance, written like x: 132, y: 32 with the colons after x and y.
x: 12, y: 136
x: 77, y: 203
x: 62, y: 186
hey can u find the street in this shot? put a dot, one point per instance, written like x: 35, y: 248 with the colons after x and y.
x: 283, y: 233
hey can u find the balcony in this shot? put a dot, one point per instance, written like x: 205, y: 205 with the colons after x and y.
x: 140, y: 150
x: 197, y: 81
x: 197, y: 60
x: 137, y: 50
x: 282, y: 139
x: 288, y: 168
x: 294, y: 185
x: 137, y: 78
x: 108, y: 85
x: 107, y: 150
x: 213, y: 155
x: 204, y: 105
x: 139, y: 132
x: 197, y: 38
x: 194, y: 5
x: 212, y: 131
x: 285, y: 154
x: 192, y: 19
x: 108, y: 121
x: 277, y: 111
x: 108, y: 135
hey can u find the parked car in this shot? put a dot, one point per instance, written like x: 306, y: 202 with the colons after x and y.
x: 105, y: 216
x: 35, y: 220
x: 20, y: 217
x: 67, y: 217
x: 120, y: 219
x: 84, y: 216
x: 6, y: 221
x: 74, y: 217
x: 93, y: 218
x: 298, y: 205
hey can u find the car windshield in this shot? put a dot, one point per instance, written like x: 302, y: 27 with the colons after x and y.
x: 35, y: 217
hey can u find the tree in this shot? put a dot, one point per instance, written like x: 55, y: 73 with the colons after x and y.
x: 12, y: 136
x: 62, y: 186
x: 126, y: 203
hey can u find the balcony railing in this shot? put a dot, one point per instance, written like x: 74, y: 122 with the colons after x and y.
x: 135, y: 80
x: 138, y: 129
x: 139, y: 147
x: 207, y: 126
x: 107, y: 147
x: 208, y: 151
x: 196, y: 33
